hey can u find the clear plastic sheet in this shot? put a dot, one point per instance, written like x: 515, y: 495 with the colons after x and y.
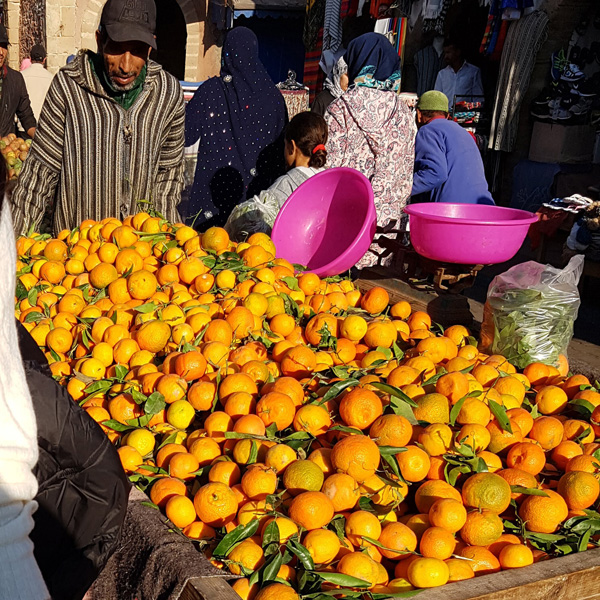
x: 256, y: 215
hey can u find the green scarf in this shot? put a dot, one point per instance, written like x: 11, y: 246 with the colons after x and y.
x: 123, y: 99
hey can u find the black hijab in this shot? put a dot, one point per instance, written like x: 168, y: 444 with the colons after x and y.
x: 238, y: 118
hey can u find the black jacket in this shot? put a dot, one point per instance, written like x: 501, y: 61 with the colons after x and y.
x: 14, y: 101
x: 83, y: 490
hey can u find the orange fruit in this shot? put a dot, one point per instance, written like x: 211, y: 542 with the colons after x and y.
x: 164, y: 489
x: 360, y: 407
x: 459, y: 570
x: 313, y: 419
x: 482, y: 528
x: 551, y: 400
x: 437, y: 542
x: 248, y: 555
x: 131, y: 459
x: 215, y: 504
x: 419, y: 320
x: 518, y: 477
x: 375, y: 300
x: 544, y: 514
x: 527, y: 457
x: 276, y: 408
x: 486, y: 491
x: 432, y: 408
x: 482, y: 561
x: 224, y: 471
x: 399, y: 541
x: 299, y: 362
x: 258, y: 482
x: 430, y: 491
x: 323, y: 545
x: 153, y: 336
x: 357, y: 456
x: 414, y: 463
x: 342, y: 490
x: 579, y: 489
x: 180, y: 510
x: 453, y: 385
x: 448, y: 513
x: 391, y: 430
x: 586, y: 463
x: 182, y: 465
x: 513, y: 556
x: 547, y: 431
x: 362, y: 523
x: 428, y: 572
x: 564, y: 452
x: 359, y: 565
x: 311, y: 510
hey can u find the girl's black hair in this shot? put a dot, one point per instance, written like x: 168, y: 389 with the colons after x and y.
x: 309, y: 132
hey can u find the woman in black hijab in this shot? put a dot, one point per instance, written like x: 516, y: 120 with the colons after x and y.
x: 238, y: 119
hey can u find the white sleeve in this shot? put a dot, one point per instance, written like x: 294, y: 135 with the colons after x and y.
x: 20, y: 576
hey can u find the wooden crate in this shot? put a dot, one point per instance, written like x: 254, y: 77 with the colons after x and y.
x: 573, y: 577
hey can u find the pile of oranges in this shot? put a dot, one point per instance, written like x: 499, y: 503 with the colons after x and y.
x: 305, y: 435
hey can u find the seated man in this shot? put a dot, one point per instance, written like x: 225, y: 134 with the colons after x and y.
x: 448, y: 165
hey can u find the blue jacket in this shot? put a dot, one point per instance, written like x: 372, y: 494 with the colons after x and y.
x: 448, y: 165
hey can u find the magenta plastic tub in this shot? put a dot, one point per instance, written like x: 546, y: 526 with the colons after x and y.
x: 468, y: 234
x: 328, y: 223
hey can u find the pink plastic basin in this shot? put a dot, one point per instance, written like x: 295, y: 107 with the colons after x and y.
x: 468, y: 234
x: 328, y: 223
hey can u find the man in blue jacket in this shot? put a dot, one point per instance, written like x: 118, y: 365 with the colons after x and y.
x: 448, y: 165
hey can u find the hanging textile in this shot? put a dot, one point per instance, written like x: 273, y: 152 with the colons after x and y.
x: 332, y: 28
x: 313, y: 74
x: 313, y: 23
x: 427, y: 64
x: 523, y: 41
x: 435, y: 22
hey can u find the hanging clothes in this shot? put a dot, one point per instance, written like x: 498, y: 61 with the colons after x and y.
x: 332, y: 27
x: 523, y: 41
x: 428, y: 64
x: 435, y: 19
x: 313, y: 22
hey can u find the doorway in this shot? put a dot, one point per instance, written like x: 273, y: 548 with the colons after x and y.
x: 171, y: 38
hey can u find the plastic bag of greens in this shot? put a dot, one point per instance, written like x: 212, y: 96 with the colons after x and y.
x: 256, y: 215
x: 530, y: 312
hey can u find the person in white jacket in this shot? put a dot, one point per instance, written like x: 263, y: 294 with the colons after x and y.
x: 20, y: 576
x: 37, y: 79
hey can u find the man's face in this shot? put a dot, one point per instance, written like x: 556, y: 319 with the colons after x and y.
x: 123, y: 61
x: 451, y: 55
x: 3, y: 54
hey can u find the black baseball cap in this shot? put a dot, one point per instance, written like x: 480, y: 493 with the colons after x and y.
x: 3, y: 34
x: 38, y: 53
x: 130, y: 20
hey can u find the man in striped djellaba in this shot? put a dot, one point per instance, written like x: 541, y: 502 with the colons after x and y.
x: 111, y: 132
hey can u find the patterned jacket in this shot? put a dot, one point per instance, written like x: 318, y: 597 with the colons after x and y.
x: 373, y: 131
x: 91, y: 159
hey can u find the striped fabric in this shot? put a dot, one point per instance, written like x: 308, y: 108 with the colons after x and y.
x: 91, y: 159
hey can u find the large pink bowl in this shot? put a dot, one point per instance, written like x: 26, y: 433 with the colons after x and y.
x: 328, y: 223
x: 468, y: 234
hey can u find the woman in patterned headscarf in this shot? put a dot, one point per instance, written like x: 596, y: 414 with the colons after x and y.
x: 372, y: 130
x: 238, y: 120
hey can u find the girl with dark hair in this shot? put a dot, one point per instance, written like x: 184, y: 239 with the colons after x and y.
x: 305, y: 155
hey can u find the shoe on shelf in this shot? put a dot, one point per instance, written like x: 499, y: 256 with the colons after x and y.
x: 543, y: 98
x: 540, y: 111
x: 582, y: 108
x: 572, y: 73
x: 562, y: 116
x: 558, y: 63
x: 585, y: 89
